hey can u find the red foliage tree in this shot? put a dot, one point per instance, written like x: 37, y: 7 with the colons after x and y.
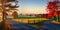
x: 53, y: 8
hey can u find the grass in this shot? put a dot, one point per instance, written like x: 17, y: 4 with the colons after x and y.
x: 31, y: 19
x: 27, y: 17
x: 38, y: 23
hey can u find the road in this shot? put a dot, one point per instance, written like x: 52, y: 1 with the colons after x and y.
x: 50, y: 26
x: 19, y: 26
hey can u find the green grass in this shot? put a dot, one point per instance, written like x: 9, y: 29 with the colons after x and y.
x: 27, y: 17
x: 42, y: 20
x: 55, y: 18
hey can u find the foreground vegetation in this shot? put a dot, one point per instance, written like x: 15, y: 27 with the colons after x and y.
x: 1, y: 19
x: 31, y: 20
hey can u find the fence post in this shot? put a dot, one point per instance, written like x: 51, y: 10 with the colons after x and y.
x: 28, y: 21
x: 34, y: 21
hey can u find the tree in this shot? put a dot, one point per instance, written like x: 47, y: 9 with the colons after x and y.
x: 14, y: 14
x: 7, y: 5
x: 54, y: 10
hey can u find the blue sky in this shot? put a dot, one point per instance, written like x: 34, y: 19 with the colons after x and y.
x: 33, y: 6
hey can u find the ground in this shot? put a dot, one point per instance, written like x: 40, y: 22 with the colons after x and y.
x: 42, y: 24
x: 30, y: 19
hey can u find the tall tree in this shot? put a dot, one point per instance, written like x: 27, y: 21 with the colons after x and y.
x: 8, y: 5
x: 54, y: 10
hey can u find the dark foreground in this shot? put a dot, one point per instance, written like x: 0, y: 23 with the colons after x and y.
x: 13, y: 25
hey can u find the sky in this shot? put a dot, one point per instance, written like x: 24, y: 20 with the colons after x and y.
x: 33, y: 6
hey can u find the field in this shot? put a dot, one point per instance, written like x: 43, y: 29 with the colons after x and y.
x: 29, y: 19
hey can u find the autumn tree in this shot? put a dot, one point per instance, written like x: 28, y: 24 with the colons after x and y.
x: 14, y: 15
x: 5, y: 6
x: 54, y: 10
x: 8, y: 5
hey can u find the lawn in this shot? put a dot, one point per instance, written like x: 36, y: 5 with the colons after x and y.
x: 27, y: 17
x: 30, y: 19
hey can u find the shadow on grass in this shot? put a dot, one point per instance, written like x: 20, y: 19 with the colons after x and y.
x: 38, y: 23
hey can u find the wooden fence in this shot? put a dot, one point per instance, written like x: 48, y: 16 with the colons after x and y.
x: 28, y: 21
